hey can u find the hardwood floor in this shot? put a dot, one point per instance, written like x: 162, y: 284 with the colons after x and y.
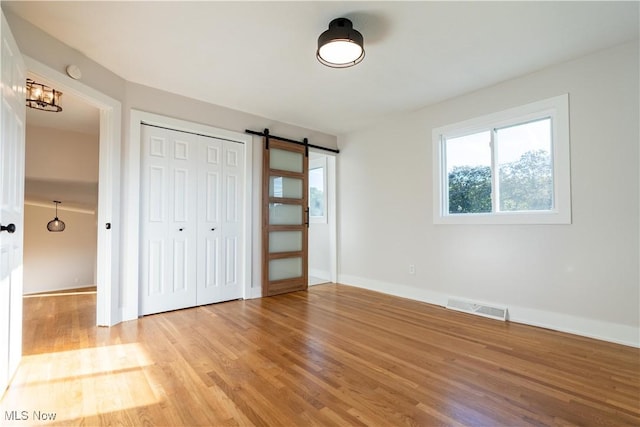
x: 334, y: 355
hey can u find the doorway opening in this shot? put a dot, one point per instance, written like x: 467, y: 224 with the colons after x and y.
x: 61, y: 164
x: 322, y: 222
x: 107, y: 210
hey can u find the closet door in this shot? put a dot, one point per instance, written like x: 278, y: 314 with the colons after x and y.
x: 168, y: 220
x: 220, y: 220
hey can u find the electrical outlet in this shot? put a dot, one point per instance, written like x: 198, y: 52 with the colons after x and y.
x: 412, y: 269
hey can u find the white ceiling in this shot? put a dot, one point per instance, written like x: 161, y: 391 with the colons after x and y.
x: 259, y: 57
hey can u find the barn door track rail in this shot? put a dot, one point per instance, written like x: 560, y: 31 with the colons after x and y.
x: 304, y: 142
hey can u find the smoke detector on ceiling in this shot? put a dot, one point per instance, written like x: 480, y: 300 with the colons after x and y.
x: 74, y: 72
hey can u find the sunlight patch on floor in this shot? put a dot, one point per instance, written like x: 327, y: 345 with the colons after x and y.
x: 79, y: 383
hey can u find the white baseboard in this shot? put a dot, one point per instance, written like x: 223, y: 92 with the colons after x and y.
x: 403, y: 291
x: 53, y: 290
x: 605, y: 331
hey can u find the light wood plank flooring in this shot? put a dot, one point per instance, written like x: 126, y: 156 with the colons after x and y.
x: 334, y: 355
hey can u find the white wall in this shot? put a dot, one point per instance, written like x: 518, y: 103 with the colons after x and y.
x: 53, y: 154
x: 581, y: 278
x: 55, y: 261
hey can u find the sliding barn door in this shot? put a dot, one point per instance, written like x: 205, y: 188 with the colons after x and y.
x: 285, y: 216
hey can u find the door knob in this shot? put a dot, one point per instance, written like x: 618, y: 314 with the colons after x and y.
x: 180, y: 229
x: 11, y: 228
x: 213, y: 229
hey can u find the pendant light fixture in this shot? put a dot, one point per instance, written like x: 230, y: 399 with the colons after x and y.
x: 340, y: 46
x: 42, y: 97
x: 55, y: 224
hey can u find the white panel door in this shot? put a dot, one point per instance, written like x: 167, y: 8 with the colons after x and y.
x: 12, y: 133
x: 210, y: 206
x: 232, y: 222
x: 168, y: 220
x: 220, y: 220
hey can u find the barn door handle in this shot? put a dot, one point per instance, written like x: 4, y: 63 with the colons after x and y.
x: 11, y: 228
x: 307, y: 217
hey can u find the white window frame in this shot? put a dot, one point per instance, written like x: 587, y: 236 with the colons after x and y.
x: 557, y: 108
x: 320, y: 163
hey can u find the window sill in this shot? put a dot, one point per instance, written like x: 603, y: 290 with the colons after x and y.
x: 505, y: 218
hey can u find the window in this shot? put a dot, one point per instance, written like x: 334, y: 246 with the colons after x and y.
x: 510, y: 167
x: 317, y: 190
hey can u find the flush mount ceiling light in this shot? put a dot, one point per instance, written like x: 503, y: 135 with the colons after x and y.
x: 42, y: 97
x: 55, y: 224
x: 340, y: 46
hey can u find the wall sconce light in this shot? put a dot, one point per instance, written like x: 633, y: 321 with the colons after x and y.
x: 42, y: 97
x: 340, y: 46
x: 55, y: 224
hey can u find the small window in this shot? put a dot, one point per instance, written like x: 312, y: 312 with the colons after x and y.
x: 318, y: 190
x: 510, y: 167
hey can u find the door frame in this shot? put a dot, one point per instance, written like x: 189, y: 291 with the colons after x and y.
x: 131, y: 243
x: 108, y: 311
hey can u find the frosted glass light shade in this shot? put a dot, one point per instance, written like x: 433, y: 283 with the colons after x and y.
x: 340, y: 52
x: 340, y: 46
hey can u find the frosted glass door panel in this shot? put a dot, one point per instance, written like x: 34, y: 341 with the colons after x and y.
x: 286, y: 268
x: 281, y: 214
x: 280, y: 186
x: 285, y: 241
x: 285, y: 160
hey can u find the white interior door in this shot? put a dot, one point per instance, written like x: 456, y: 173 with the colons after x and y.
x: 169, y: 218
x: 12, y: 143
x: 220, y: 220
x: 192, y: 227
